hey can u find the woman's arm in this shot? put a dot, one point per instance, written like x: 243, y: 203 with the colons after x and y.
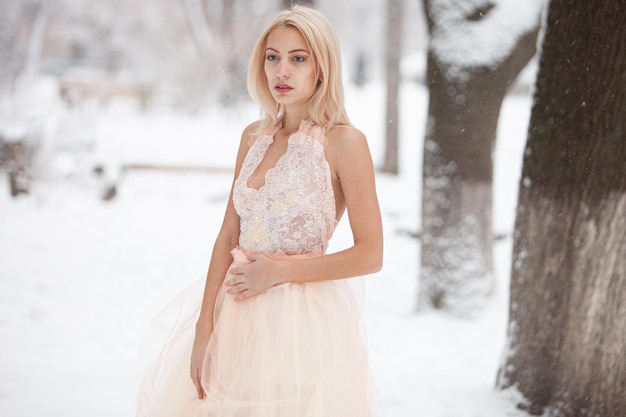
x: 221, y: 258
x: 351, y: 162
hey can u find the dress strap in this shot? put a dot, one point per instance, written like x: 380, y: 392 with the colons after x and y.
x: 270, y: 132
x: 308, y: 128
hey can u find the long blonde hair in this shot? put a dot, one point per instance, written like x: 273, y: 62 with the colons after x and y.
x: 326, y: 106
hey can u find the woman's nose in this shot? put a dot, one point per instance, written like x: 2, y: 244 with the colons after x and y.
x: 282, y: 71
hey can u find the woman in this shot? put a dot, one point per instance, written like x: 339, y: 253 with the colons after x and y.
x: 278, y: 331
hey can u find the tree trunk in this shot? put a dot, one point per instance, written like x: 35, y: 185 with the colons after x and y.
x: 456, y: 251
x: 394, y: 51
x: 21, y: 35
x: 39, y: 11
x: 567, y: 323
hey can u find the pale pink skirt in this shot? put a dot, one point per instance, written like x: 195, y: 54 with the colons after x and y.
x: 297, y: 350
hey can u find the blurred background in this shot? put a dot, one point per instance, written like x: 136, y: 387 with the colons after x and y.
x: 64, y: 62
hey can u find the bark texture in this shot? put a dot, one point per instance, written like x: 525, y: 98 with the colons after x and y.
x: 567, y: 324
x: 457, y: 236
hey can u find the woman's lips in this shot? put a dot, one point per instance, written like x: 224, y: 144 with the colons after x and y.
x: 283, y: 88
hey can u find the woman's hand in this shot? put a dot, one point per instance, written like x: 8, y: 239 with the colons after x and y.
x: 197, y: 361
x: 249, y: 280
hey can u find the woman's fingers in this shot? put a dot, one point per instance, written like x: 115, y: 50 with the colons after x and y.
x: 236, y: 289
x: 197, y: 382
x: 235, y: 270
x: 234, y: 276
x: 197, y: 361
x: 247, y: 280
x: 244, y: 295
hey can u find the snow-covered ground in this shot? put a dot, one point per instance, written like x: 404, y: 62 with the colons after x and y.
x: 80, y: 279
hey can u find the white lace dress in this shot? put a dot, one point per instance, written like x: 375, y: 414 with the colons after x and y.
x: 296, y: 350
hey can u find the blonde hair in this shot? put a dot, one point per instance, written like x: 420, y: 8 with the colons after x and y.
x: 326, y: 105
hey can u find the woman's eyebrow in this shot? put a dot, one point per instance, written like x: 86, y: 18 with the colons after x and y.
x: 290, y: 52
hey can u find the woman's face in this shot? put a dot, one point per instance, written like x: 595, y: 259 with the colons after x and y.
x: 289, y: 67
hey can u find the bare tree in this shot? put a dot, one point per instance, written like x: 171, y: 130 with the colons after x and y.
x: 214, y: 26
x: 287, y: 4
x: 470, y: 67
x: 185, y: 49
x: 149, y: 43
x: 394, y: 50
x: 21, y: 33
x: 198, y: 21
x: 567, y: 324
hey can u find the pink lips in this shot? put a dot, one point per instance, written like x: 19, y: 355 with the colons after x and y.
x: 283, y: 88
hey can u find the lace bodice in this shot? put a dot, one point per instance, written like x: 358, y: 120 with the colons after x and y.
x: 294, y: 211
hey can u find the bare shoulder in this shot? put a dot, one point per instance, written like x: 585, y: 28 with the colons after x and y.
x: 344, y: 133
x: 250, y: 132
x: 253, y: 126
x: 247, y: 138
x: 345, y: 140
x: 347, y: 151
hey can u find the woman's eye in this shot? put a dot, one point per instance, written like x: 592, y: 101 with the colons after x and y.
x: 271, y: 57
x: 298, y: 58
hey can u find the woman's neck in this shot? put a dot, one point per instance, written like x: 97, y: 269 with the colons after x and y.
x: 291, y: 119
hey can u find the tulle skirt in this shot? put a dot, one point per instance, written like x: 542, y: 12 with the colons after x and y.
x: 297, y: 350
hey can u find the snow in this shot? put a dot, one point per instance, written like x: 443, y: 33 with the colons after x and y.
x: 463, y: 44
x: 80, y: 279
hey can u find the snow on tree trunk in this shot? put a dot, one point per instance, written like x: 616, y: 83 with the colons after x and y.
x: 476, y: 50
x: 567, y: 323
